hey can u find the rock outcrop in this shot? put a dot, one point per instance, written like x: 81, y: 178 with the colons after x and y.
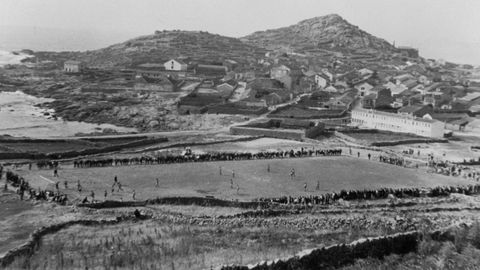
x: 330, y: 32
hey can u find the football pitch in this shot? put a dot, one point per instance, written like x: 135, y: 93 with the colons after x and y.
x: 242, y: 180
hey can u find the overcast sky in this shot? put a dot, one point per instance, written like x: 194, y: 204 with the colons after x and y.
x: 439, y: 28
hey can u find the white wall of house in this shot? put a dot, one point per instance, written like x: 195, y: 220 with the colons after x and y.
x: 279, y: 72
x: 397, y: 123
x: 320, y: 81
x: 72, y: 68
x: 364, y: 89
x: 174, y: 65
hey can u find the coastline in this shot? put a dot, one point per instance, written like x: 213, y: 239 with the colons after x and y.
x: 22, y: 114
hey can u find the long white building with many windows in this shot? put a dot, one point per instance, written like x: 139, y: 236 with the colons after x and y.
x: 425, y: 126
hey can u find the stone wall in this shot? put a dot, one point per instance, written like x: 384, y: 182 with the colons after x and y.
x: 273, y: 133
x: 28, y: 248
x: 412, y: 141
x: 178, y: 201
x: 342, y: 254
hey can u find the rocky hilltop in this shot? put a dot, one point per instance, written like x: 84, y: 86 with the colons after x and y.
x: 162, y: 46
x: 330, y: 32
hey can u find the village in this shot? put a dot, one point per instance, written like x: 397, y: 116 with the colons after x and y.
x: 311, y: 146
x: 404, y: 93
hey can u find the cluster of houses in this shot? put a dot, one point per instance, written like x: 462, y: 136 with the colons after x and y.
x: 417, y: 97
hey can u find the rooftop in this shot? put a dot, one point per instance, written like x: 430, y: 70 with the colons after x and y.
x: 410, y: 83
x: 177, y: 60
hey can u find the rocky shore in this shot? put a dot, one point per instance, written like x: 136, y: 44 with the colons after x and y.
x: 140, y: 110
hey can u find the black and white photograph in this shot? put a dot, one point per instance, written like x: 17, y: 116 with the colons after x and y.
x: 240, y: 134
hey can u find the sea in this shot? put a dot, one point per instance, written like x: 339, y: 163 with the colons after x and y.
x: 7, y: 58
x: 20, y: 117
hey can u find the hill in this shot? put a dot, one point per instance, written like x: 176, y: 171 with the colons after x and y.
x: 162, y: 46
x: 319, y: 34
x: 330, y: 32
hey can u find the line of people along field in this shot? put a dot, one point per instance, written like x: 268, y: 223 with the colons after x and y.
x: 374, y: 194
x: 206, y: 157
x: 392, y: 160
x: 439, y: 167
x: 23, y: 187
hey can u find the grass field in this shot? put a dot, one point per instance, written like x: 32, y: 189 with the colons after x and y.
x: 202, y: 179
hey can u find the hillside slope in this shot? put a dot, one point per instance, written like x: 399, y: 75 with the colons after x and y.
x: 330, y: 32
x: 162, y: 46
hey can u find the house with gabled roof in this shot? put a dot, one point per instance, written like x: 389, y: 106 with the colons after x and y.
x: 396, y: 89
x: 364, y: 88
x: 410, y: 83
x: 408, y: 51
x: 279, y: 71
x: 342, y: 102
x: 158, y: 84
x: 226, y: 88
x: 71, y: 66
x: 175, y: 65
x: 416, y: 110
x: 365, y: 72
x: 273, y: 99
x: 402, y: 78
x: 321, y: 80
x: 289, y: 76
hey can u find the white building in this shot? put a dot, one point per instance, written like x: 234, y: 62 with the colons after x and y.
x: 364, y: 88
x: 321, y: 80
x: 73, y: 66
x: 425, y: 127
x: 175, y: 65
x: 365, y: 72
x: 395, y: 88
